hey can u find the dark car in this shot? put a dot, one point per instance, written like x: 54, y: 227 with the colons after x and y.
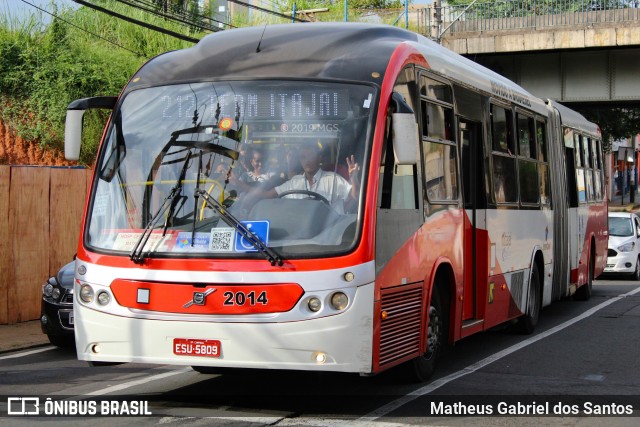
x: 56, y: 316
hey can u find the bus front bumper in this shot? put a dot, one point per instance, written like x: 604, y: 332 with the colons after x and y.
x: 341, y: 343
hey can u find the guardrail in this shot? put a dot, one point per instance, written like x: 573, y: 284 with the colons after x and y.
x: 434, y: 21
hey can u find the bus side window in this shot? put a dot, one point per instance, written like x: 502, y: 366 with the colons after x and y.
x: 504, y: 166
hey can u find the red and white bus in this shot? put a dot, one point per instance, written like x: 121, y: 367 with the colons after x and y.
x: 328, y: 197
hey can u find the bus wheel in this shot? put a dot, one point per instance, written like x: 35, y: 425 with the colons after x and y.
x: 425, y: 365
x: 529, y: 320
x: 636, y: 273
x: 584, y: 292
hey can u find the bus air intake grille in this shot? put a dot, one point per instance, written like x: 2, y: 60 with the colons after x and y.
x: 400, y: 331
x: 517, y: 283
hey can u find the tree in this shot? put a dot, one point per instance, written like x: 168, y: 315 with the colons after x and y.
x: 615, y: 123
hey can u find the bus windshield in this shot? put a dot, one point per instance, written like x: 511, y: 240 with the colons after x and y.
x: 233, y: 169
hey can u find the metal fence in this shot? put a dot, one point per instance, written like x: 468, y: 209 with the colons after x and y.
x: 522, y: 14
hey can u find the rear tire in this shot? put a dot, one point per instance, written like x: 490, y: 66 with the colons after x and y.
x: 529, y: 320
x: 424, y: 366
x: 584, y: 292
x: 636, y: 274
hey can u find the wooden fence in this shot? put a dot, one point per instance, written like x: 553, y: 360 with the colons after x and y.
x: 40, y: 216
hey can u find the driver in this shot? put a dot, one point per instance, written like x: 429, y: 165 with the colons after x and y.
x: 330, y: 185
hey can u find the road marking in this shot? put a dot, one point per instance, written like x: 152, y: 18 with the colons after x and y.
x: 27, y: 353
x: 392, y: 406
x: 134, y: 383
x: 329, y: 422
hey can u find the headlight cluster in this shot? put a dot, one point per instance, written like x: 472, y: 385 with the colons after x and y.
x: 88, y: 295
x: 627, y: 247
x: 338, y: 301
x: 51, y: 290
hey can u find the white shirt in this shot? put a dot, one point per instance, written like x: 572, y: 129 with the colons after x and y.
x: 332, y: 186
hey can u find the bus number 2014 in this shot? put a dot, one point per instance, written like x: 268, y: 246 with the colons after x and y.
x: 241, y: 298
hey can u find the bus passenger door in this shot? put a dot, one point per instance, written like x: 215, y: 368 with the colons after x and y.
x: 475, y: 236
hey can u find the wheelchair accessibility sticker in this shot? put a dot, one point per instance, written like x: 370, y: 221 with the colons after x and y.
x: 259, y: 228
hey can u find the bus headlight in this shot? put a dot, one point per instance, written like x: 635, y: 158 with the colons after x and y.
x: 103, y: 298
x: 314, y: 304
x: 339, y: 301
x: 86, y: 293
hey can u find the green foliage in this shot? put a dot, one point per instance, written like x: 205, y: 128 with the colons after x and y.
x: 615, y: 123
x: 43, y: 67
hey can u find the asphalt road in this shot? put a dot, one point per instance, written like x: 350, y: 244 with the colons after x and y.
x: 582, y: 358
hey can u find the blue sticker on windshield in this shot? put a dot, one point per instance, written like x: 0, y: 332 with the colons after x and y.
x: 259, y: 228
x: 200, y: 243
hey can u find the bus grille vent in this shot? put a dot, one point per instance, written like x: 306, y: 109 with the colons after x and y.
x: 400, y: 331
x: 517, y: 283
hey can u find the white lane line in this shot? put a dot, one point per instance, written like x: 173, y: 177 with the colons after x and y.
x: 124, y: 386
x: 338, y: 422
x: 392, y: 406
x: 27, y: 353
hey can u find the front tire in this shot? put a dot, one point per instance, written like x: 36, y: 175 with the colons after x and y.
x: 424, y: 366
x: 529, y: 320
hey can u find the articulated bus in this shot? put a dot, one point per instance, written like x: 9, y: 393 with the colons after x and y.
x: 328, y: 197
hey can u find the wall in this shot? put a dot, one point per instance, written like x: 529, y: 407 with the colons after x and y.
x: 40, y: 217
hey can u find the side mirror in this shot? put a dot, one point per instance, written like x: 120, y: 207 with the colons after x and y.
x: 73, y: 124
x: 405, y: 132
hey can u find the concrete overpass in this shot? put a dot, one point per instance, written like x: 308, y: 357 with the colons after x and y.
x: 585, y: 56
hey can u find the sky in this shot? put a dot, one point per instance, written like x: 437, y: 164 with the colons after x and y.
x: 19, y: 8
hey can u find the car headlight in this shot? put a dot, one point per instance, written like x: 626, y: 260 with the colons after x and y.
x: 47, y: 290
x: 627, y: 247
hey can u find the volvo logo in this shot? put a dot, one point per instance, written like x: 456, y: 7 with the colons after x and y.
x: 199, y: 298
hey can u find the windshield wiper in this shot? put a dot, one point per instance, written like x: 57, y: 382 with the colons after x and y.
x: 272, y: 256
x: 170, y: 202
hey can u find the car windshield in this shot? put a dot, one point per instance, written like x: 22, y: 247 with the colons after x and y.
x: 620, y: 226
x: 228, y: 169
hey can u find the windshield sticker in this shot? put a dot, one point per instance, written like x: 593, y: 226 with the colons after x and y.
x: 183, y: 242
x: 367, y: 102
x: 127, y: 241
x: 221, y: 239
x: 100, y: 204
x: 259, y: 228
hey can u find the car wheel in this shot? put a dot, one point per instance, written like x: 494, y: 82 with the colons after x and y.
x: 636, y: 273
x: 61, y: 341
x: 529, y: 320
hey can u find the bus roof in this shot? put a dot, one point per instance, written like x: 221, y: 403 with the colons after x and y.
x: 344, y: 51
x: 320, y: 50
x: 575, y: 120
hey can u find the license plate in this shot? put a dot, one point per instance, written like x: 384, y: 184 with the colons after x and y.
x: 196, y: 347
